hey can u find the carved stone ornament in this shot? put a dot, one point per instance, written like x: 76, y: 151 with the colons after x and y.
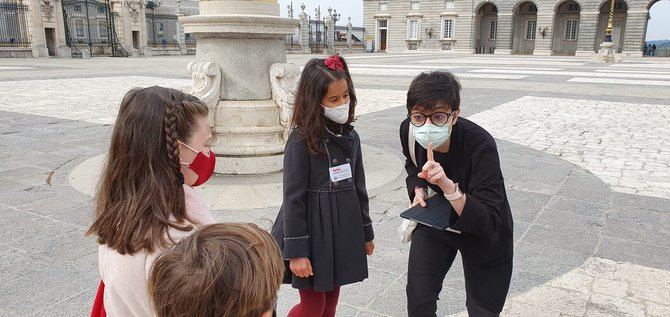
x: 48, y: 8
x: 284, y: 78
x: 205, y: 84
x: 134, y: 10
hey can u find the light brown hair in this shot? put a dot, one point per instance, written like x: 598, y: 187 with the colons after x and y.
x: 225, y: 269
x: 140, y: 187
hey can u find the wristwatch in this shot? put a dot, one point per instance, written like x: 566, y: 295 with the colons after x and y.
x: 455, y: 195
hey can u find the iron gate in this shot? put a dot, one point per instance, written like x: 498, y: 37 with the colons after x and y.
x: 90, y: 23
x: 317, y: 36
x: 162, y: 29
x: 13, y: 24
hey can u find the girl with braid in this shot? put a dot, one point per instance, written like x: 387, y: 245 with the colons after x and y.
x: 145, y: 201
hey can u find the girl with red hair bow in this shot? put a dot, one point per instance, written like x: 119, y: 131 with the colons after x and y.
x: 323, y: 227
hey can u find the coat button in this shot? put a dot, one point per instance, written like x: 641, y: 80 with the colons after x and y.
x: 348, y: 160
x: 327, y: 140
x: 336, y: 183
x: 335, y: 161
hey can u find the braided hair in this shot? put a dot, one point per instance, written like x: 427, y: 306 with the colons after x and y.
x: 139, y: 196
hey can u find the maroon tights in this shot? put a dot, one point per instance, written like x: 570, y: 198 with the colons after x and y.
x: 316, y: 304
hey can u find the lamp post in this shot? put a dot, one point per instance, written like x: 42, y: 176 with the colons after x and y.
x: 336, y: 17
x: 151, y: 5
x: 606, y: 52
x: 289, y: 8
x: 610, y: 23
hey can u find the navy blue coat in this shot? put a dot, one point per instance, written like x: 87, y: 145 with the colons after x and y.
x: 327, y: 222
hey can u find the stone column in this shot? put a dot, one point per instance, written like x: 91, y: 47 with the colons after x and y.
x: 330, y: 36
x: 238, y: 44
x: 304, y: 31
x: 145, y: 49
x: 504, y: 41
x: 634, y: 33
x: 62, y: 49
x: 181, y: 35
x: 349, y: 35
x: 123, y: 8
x: 587, y: 33
x: 35, y: 28
x: 545, y: 23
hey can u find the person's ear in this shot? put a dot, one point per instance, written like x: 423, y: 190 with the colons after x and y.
x: 457, y: 114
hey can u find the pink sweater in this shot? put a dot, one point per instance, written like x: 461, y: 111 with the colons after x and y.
x: 125, y: 276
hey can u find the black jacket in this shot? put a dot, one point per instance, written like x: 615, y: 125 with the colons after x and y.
x: 472, y: 162
x: 328, y: 222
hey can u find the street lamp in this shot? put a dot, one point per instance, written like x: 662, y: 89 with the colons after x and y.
x: 336, y: 17
x: 152, y: 5
x: 606, y: 52
x: 610, y: 23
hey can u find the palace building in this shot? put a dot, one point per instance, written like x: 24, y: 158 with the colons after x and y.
x: 537, y: 27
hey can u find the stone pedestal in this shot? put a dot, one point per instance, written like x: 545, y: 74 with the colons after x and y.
x: 606, y: 53
x: 238, y: 44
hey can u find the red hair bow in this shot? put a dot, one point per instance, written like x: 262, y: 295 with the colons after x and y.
x: 334, y: 62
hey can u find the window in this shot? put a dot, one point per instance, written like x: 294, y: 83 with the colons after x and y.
x: 102, y: 29
x: 383, y: 6
x: 618, y: 5
x: 414, y: 5
x: 449, y: 5
x: 571, y: 29
x: 448, y: 31
x: 532, y: 8
x: 77, y: 8
x: 573, y: 7
x: 493, y: 33
x: 383, y: 23
x: 79, y: 27
x: 413, y: 30
x: 531, y: 25
x: 101, y: 9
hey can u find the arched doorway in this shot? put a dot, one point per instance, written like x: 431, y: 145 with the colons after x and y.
x: 566, y: 26
x: 486, y: 29
x: 656, y: 29
x: 618, y: 24
x: 524, y: 31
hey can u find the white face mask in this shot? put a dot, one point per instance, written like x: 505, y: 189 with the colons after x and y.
x: 339, y: 114
x: 428, y: 133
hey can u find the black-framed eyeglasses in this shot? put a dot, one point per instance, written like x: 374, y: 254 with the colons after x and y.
x: 437, y: 118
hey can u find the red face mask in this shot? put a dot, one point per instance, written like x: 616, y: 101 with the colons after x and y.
x: 203, y: 164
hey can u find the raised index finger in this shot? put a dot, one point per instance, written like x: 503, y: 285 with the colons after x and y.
x: 431, y: 156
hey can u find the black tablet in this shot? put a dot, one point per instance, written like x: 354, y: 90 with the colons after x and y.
x: 438, y: 213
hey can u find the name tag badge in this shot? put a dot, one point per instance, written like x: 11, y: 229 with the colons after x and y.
x: 340, y: 172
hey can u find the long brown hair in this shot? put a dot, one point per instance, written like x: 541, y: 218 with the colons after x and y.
x: 307, y: 110
x: 140, y: 187
x: 225, y: 269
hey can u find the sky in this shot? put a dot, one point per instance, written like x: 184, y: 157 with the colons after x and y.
x: 659, y: 25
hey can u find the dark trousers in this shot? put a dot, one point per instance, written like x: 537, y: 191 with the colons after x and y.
x: 430, y: 259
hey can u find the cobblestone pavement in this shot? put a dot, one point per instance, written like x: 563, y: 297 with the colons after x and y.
x: 584, y: 157
x: 622, y: 143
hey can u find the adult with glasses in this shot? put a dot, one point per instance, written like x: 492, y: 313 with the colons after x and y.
x: 458, y: 159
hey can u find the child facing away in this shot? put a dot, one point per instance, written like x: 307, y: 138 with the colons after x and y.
x: 145, y: 201
x: 224, y: 269
x: 324, y: 227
